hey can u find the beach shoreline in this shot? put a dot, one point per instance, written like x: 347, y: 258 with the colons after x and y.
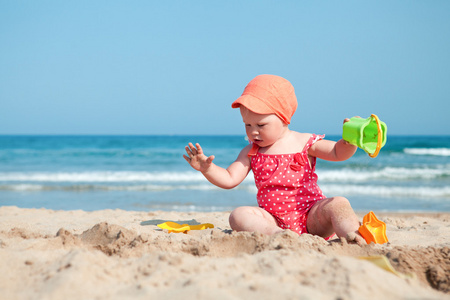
x: 117, y: 254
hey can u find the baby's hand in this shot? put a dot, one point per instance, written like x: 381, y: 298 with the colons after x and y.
x: 196, y: 158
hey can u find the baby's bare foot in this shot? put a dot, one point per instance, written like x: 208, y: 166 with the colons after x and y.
x: 356, y: 238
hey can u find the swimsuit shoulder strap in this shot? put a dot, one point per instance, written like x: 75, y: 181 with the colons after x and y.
x: 312, y: 139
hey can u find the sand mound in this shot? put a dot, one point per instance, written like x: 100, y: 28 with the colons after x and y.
x: 429, y: 265
x: 117, y: 254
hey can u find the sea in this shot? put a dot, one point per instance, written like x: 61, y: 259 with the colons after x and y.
x: 149, y: 173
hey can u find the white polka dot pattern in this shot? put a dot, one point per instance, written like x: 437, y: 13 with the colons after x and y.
x: 287, y: 185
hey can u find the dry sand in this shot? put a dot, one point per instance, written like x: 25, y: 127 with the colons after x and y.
x: 115, y: 254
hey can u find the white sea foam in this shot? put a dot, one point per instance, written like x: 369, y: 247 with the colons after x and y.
x: 23, y: 187
x: 131, y: 188
x: 388, y: 173
x: 387, y: 191
x: 340, y: 175
x: 100, y: 176
x: 428, y: 151
x: 329, y: 190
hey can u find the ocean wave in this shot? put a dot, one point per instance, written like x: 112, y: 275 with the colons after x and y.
x: 102, y: 176
x: 343, y: 175
x: 428, y: 151
x: 388, y: 173
x: 22, y: 187
x: 129, y: 188
x: 387, y: 191
x: 329, y: 190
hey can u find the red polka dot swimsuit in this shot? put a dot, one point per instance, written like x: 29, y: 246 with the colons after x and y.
x: 287, y: 185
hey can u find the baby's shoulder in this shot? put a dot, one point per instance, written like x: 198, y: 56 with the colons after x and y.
x: 297, y: 134
x: 245, y: 151
x: 296, y: 142
x: 247, y: 148
x: 300, y: 138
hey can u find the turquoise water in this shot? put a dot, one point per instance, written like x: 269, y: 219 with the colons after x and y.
x: 149, y: 173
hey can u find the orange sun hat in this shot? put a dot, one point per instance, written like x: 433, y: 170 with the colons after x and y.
x: 269, y: 94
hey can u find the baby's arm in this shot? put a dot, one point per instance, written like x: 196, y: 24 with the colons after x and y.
x: 223, y: 178
x: 333, y: 151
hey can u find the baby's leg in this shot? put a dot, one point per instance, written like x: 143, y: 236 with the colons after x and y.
x: 255, y: 219
x: 334, y: 215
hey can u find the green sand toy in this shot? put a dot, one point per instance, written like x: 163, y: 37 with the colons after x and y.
x: 368, y: 134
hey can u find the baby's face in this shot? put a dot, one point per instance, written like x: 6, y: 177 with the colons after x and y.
x: 262, y: 129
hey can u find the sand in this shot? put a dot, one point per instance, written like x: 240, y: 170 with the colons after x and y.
x: 116, y: 254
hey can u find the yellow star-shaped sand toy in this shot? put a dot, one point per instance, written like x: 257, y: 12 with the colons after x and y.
x: 175, y: 227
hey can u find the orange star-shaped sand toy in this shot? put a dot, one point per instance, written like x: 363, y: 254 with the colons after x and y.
x: 175, y: 227
x: 373, y: 230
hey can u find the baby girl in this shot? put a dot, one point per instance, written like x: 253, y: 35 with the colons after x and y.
x: 283, y: 163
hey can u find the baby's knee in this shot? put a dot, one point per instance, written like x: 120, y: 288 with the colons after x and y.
x: 341, y: 202
x: 237, y: 216
x: 336, y: 205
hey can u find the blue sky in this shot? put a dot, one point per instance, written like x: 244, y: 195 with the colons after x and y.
x: 175, y: 67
